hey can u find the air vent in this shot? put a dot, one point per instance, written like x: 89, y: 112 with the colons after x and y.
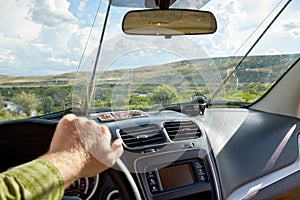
x: 182, y: 130
x: 139, y: 136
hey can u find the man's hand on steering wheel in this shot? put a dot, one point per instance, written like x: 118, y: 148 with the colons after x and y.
x: 82, y: 148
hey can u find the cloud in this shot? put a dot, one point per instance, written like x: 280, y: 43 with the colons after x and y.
x: 81, y: 6
x: 51, y: 13
x: 229, y: 15
x: 292, y: 27
x: 63, y: 61
x: 43, y: 47
x: 15, y: 24
x: 198, y: 4
x: 6, y: 56
x: 272, y: 51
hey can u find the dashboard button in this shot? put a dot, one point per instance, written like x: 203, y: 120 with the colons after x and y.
x: 202, y: 178
x: 154, y: 188
x: 200, y: 171
x: 149, y: 175
x: 152, y: 182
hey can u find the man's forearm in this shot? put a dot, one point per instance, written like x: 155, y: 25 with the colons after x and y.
x: 37, y: 179
x: 69, y: 163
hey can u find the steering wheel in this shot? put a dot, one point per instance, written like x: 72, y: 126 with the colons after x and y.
x: 122, y: 178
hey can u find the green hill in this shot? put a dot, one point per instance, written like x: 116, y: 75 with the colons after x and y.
x: 253, y: 69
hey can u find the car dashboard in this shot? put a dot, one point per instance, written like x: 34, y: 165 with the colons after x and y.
x: 169, y: 156
x: 227, y: 153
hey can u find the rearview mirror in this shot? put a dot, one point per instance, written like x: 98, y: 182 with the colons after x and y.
x: 169, y: 22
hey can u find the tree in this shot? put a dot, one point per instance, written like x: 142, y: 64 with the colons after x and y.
x: 25, y: 103
x: 163, y: 94
x: 47, y: 104
x: 2, y: 105
x: 139, y: 102
x: 60, y: 95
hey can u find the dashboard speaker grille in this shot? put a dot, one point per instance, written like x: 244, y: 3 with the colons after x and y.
x: 182, y: 130
x: 138, y: 136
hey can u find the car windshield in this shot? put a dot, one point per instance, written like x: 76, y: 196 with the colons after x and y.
x: 56, y: 54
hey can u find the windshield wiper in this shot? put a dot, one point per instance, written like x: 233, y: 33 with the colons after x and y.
x: 91, y: 84
x: 189, y: 109
x: 194, y: 109
x: 224, y: 103
x: 196, y: 106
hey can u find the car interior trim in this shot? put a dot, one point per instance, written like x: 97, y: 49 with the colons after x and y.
x: 252, y: 188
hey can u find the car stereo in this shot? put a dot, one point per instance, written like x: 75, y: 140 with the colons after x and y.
x: 177, y: 175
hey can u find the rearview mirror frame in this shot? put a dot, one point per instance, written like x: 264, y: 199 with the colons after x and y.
x: 169, y: 22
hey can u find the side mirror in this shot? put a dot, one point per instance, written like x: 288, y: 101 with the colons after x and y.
x: 200, y: 100
x: 169, y: 22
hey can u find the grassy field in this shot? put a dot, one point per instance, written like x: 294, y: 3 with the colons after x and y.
x: 33, y: 81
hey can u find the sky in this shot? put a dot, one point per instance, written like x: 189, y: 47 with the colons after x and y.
x: 41, y: 37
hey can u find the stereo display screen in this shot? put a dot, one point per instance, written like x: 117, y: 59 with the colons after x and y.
x: 176, y: 176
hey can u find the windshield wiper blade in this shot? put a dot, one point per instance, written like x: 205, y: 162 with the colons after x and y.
x: 190, y: 109
x: 91, y: 85
x: 228, y: 104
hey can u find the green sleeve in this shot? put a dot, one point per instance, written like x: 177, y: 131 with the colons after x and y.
x: 37, y: 179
